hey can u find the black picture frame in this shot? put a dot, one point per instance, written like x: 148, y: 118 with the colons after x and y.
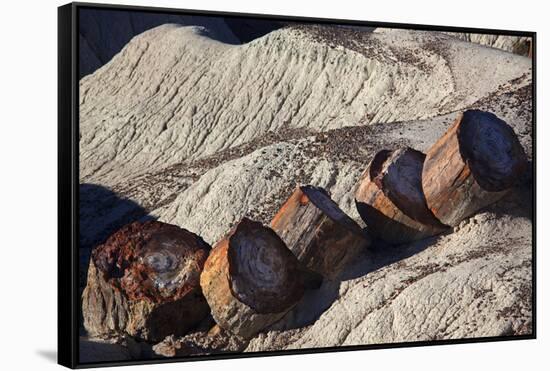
x: 68, y: 182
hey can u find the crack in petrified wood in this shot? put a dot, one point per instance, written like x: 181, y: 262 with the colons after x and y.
x: 390, y: 199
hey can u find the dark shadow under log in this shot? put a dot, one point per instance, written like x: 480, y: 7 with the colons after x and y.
x: 250, y: 279
x: 471, y: 166
x: 144, y: 281
x: 390, y: 200
x: 318, y: 232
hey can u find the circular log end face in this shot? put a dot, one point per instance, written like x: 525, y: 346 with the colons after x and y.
x: 263, y: 272
x: 392, y: 189
x: 153, y: 261
x: 400, y: 178
x: 321, y: 199
x: 491, y: 149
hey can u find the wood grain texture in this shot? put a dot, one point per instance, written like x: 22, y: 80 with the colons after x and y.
x: 318, y: 232
x: 390, y: 200
x: 250, y: 279
x: 144, y: 281
x: 471, y: 166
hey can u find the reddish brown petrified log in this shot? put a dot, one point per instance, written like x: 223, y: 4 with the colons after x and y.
x: 144, y: 281
x: 318, y: 232
x: 471, y: 166
x: 250, y: 279
x: 390, y: 200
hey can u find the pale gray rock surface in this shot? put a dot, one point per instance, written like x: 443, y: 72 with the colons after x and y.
x: 198, y: 343
x: 104, y: 32
x: 204, y: 96
x: 474, y: 282
x: 513, y: 44
x: 199, y: 133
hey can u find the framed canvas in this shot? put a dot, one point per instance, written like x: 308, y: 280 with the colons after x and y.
x: 236, y: 185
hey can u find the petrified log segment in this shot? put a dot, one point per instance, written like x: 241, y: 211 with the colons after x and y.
x: 318, y: 232
x: 471, y: 166
x: 390, y: 200
x: 144, y: 281
x: 251, y: 279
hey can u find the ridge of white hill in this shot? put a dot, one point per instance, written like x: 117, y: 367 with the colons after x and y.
x: 188, y: 193
x: 258, y: 182
x: 254, y: 186
x: 513, y: 44
x: 104, y: 32
x: 173, y: 94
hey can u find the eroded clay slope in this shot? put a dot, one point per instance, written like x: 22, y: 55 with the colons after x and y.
x: 208, y: 195
x: 104, y: 32
x: 259, y: 181
x: 198, y: 133
x: 514, y: 44
x: 471, y: 283
x: 173, y: 94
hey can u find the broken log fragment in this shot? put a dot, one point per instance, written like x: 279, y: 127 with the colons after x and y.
x: 471, y: 166
x: 318, y: 232
x: 251, y: 279
x: 144, y: 281
x: 390, y: 200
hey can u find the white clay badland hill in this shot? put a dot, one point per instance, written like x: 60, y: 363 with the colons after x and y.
x: 199, y: 133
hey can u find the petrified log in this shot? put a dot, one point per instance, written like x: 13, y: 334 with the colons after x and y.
x: 390, y: 200
x: 318, y: 232
x: 471, y: 166
x: 251, y: 279
x: 144, y: 281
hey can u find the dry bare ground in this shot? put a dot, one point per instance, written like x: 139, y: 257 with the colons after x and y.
x: 195, y: 132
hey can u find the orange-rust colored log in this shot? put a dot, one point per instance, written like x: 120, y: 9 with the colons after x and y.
x: 471, y: 166
x: 144, y: 281
x: 251, y: 279
x: 321, y: 236
x: 389, y: 198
